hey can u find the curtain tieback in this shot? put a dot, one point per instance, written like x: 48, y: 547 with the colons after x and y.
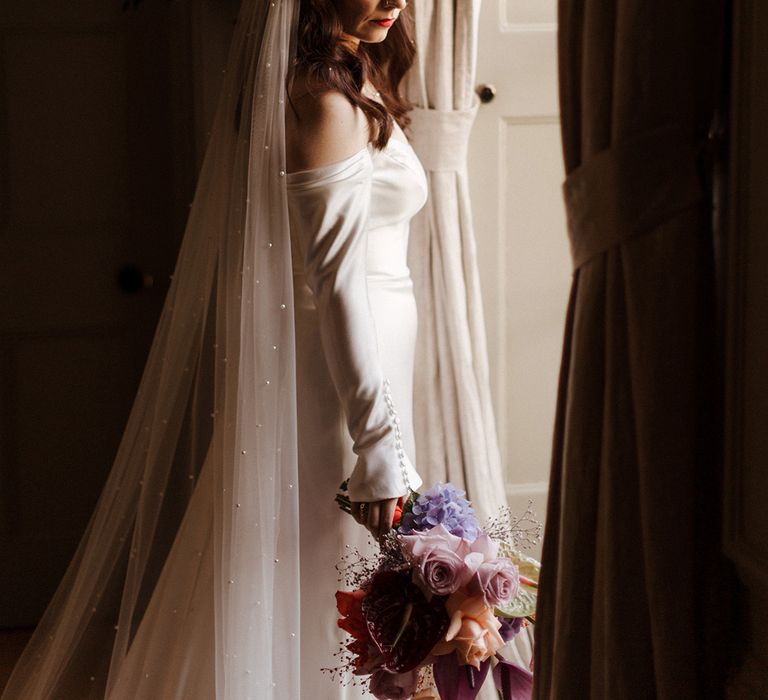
x: 629, y: 189
x: 441, y: 139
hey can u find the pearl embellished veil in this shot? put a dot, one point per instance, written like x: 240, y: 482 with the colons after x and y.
x: 216, y: 408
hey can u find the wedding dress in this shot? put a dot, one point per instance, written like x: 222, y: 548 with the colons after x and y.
x: 372, y: 196
x: 207, y: 568
x: 349, y: 230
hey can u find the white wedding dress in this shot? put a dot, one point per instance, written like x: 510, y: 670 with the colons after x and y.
x: 355, y: 341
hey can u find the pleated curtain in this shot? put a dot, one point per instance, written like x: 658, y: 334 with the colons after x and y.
x: 454, y: 419
x: 634, y: 597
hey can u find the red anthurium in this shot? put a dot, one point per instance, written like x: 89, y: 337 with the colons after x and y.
x: 350, y: 602
x: 360, y: 648
x: 350, y: 606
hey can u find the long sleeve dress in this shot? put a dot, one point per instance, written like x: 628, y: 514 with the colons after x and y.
x: 355, y: 322
x: 355, y: 335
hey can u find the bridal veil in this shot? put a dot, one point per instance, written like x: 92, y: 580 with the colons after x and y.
x: 218, y: 390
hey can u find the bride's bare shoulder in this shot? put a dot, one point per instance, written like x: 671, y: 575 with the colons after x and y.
x: 322, y: 127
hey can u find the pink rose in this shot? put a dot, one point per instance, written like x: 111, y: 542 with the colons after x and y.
x: 393, y: 686
x: 439, y: 560
x: 486, y: 546
x: 473, y: 633
x: 497, y: 581
x: 483, y: 549
x: 421, y: 543
x: 441, y: 573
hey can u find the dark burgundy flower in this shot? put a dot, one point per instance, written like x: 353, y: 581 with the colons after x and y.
x: 403, y: 624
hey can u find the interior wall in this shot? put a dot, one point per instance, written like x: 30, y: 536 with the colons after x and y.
x: 212, y: 24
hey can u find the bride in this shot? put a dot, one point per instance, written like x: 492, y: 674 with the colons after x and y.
x: 353, y: 185
x: 282, y: 364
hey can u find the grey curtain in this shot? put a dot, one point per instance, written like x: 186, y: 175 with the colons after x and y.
x: 633, y: 587
x: 454, y: 421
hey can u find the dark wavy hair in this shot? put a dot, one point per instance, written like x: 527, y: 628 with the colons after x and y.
x: 329, y: 63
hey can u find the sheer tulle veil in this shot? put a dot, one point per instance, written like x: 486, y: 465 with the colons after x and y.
x: 216, y: 410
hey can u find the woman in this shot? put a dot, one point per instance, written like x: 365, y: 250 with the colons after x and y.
x: 353, y: 185
x: 207, y: 569
x: 335, y: 114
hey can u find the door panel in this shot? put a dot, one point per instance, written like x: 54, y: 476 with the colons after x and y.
x: 533, y: 14
x: 66, y: 122
x: 516, y: 172
x: 96, y: 174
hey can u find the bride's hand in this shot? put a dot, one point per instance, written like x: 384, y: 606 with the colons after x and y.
x: 377, y: 516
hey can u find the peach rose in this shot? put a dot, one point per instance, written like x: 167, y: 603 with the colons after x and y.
x: 473, y: 632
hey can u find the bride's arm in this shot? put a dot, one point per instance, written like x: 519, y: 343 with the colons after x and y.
x: 329, y: 200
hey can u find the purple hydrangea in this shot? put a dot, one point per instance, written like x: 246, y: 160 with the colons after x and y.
x: 445, y: 504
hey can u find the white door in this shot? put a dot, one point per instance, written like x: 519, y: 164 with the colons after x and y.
x: 96, y: 171
x: 516, y: 171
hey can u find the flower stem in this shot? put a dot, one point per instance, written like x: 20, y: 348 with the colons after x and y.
x: 406, y: 620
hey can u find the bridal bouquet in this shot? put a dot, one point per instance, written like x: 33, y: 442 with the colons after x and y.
x: 430, y: 615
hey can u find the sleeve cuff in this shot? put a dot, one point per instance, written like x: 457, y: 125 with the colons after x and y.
x: 379, y: 474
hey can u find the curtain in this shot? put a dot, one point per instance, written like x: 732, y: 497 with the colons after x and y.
x: 454, y: 418
x: 633, y: 588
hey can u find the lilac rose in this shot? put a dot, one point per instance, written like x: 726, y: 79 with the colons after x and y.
x: 393, y: 686
x: 482, y: 550
x: 441, y: 572
x: 486, y: 546
x: 420, y: 544
x: 439, y: 560
x: 498, y: 581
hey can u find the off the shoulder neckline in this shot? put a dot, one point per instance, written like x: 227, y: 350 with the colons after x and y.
x: 332, y: 168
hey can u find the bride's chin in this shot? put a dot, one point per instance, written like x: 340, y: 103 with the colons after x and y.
x: 372, y: 35
x: 374, y: 40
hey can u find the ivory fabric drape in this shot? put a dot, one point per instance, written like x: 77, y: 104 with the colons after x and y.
x: 632, y: 599
x: 453, y: 415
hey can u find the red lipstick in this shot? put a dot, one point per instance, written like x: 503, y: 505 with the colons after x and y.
x: 386, y: 23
